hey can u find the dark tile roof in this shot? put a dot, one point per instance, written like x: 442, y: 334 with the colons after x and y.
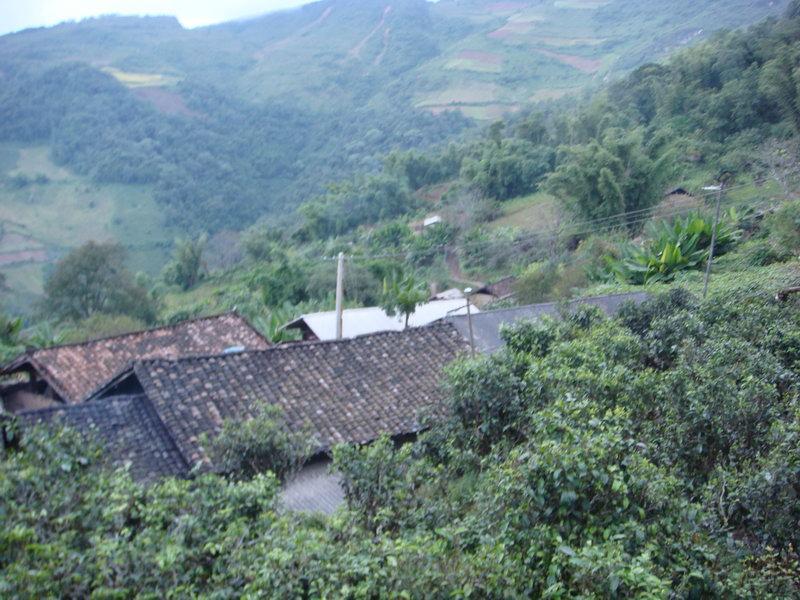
x: 340, y: 391
x: 74, y: 371
x: 127, y: 427
x: 486, y: 325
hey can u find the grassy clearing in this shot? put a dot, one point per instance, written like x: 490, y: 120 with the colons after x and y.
x: 9, y: 157
x: 133, y: 80
x: 723, y: 282
x: 466, y: 64
x: 553, y: 94
x: 489, y: 112
x: 536, y: 211
x: 33, y: 161
x: 45, y: 220
x: 23, y: 287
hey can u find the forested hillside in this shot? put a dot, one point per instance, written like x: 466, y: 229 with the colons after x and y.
x: 566, y: 200
x: 208, y: 130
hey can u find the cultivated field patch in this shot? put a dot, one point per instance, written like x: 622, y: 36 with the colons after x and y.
x: 45, y: 217
x: 22, y: 256
x: 566, y: 42
x: 537, y: 211
x: 133, y: 80
x: 475, y: 60
x: 23, y: 286
x: 581, y: 63
x: 512, y: 28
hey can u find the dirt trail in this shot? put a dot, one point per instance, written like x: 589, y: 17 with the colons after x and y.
x: 380, y: 56
x: 454, y: 267
x: 355, y: 51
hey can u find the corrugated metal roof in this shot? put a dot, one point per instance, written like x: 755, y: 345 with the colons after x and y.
x: 486, y: 325
x: 373, y: 319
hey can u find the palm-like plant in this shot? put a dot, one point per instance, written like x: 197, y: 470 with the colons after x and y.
x: 401, y: 294
x: 672, y: 247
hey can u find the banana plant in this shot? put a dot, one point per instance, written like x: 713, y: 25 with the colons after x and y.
x: 672, y: 247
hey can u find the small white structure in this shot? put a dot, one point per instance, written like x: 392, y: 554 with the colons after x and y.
x: 361, y: 321
x: 431, y: 221
x: 451, y: 294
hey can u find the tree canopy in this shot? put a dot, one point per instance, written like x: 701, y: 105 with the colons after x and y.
x: 93, y: 279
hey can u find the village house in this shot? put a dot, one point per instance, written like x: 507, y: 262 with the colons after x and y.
x: 486, y: 326
x: 373, y: 319
x: 154, y: 414
x: 69, y: 373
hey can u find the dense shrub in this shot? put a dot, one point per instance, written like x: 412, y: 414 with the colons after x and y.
x: 654, y: 455
x: 672, y: 247
x: 783, y: 227
x: 261, y: 444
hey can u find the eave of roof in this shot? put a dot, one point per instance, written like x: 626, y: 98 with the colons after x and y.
x: 78, y: 395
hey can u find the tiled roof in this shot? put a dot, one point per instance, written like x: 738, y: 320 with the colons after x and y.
x: 74, y: 371
x: 127, y: 427
x: 342, y: 391
x: 486, y: 325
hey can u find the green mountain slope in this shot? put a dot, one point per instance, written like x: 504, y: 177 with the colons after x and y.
x: 213, y: 128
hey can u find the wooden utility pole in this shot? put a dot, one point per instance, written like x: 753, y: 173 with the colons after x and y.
x: 339, y: 294
x: 467, y: 293
x: 719, y: 189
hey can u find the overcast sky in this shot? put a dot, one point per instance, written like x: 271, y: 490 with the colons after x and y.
x: 21, y: 14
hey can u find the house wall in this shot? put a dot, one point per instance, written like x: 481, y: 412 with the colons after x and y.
x: 313, y: 489
x: 15, y: 401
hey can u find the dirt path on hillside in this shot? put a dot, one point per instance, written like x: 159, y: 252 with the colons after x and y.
x: 454, y: 268
x: 355, y: 51
x: 300, y: 32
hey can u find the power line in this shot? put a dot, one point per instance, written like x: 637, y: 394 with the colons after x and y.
x: 550, y: 234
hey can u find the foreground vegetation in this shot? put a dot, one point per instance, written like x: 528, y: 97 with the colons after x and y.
x: 653, y: 455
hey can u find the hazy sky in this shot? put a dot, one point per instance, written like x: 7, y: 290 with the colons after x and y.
x: 21, y: 14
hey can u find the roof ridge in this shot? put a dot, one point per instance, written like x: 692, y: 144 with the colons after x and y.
x: 380, y: 308
x: 552, y: 303
x: 440, y: 324
x: 233, y: 313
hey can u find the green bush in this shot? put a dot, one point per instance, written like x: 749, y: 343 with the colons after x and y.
x: 648, y: 456
x: 536, y: 282
x: 261, y: 444
x: 783, y: 228
x: 672, y: 247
